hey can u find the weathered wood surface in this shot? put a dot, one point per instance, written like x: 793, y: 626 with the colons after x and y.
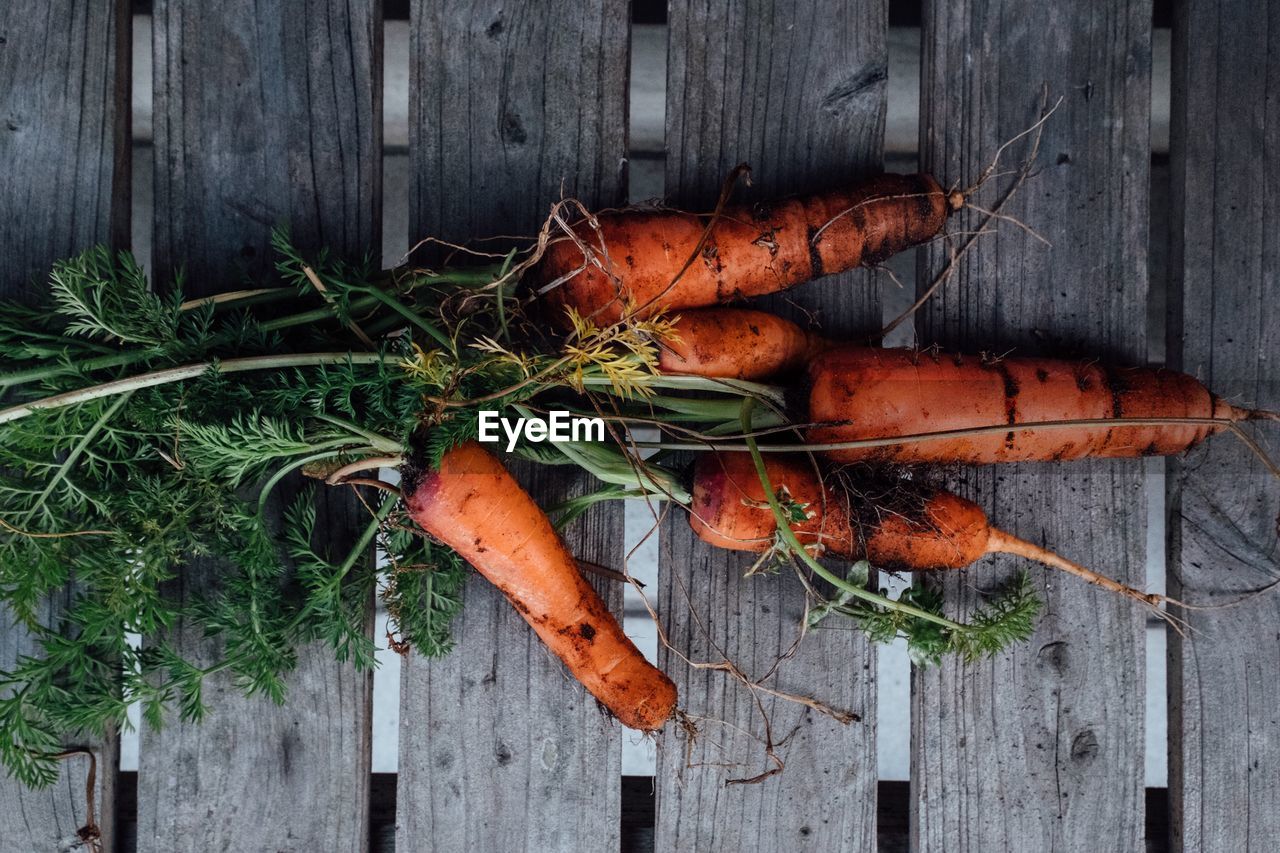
x: 509, y: 107
x: 64, y: 108
x: 796, y: 89
x: 264, y: 115
x: 64, y: 104
x: 1041, y: 748
x: 1224, y: 752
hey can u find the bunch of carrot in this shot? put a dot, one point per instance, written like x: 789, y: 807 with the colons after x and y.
x: 864, y: 404
x: 629, y: 320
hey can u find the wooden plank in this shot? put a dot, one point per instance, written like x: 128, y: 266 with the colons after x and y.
x: 509, y: 107
x: 264, y: 114
x: 64, y: 143
x: 64, y: 101
x: 1224, y: 752
x: 797, y: 89
x: 1042, y: 747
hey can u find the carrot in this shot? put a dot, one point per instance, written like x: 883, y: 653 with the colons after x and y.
x: 862, y: 393
x: 476, y: 507
x: 902, y: 527
x: 750, y: 250
x: 737, y: 343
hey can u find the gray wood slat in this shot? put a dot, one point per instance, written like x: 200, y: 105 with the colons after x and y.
x: 797, y: 89
x: 1042, y: 747
x: 509, y: 107
x: 64, y: 109
x: 1224, y: 730
x: 265, y: 114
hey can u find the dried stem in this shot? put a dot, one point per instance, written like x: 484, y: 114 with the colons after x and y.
x: 32, y: 535
x: 90, y: 834
x: 1227, y: 424
x: 369, y: 463
x: 324, y: 292
x: 1022, y: 173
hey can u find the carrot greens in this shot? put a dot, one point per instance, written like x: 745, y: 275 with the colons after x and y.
x: 142, y: 432
x: 132, y: 445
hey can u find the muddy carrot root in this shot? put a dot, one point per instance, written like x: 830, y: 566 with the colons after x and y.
x: 751, y: 250
x: 885, y: 393
x: 901, y: 527
x: 476, y: 507
x: 737, y: 343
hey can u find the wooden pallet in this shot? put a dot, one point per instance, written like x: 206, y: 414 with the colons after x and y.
x: 272, y: 112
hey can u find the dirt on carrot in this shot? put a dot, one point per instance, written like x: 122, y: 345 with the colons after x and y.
x: 641, y: 258
x: 861, y: 393
x: 476, y: 507
x: 902, y: 527
x: 737, y: 343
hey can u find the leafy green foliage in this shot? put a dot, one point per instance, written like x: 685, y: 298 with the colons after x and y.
x: 424, y: 590
x: 104, y: 501
x: 106, y: 296
x: 248, y: 445
x: 374, y: 394
x: 336, y: 606
x: 1009, y: 617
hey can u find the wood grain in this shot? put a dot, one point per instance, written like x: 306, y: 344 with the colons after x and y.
x: 797, y: 90
x: 265, y: 115
x: 511, y: 106
x: 64, y: 110
x: 1041, y: 748
x: 1224, y: 728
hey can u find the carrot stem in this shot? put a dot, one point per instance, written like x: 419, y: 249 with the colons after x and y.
x: 895, y: 440
x: 185, y: 372
x: 23, y: 377
x: 376, y: 440
x: 239, y: 298
x: 284, y: 470
x: 368, y: 463
x: 411, y: 316
x: 76, y: 452
x: 772, y: 393
x: 480, y: 276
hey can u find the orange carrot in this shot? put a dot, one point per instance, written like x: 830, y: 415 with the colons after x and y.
x: 751, y: 250
x: 903, y: 527
x: 476, y: 507
x: 737, y: 343
x: 868, y: 393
